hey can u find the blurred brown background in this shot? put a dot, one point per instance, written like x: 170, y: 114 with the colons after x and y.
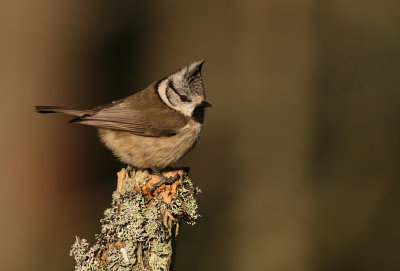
x: 299, y: 157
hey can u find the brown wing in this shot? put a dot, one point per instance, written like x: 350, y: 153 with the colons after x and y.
x: 142, y: 114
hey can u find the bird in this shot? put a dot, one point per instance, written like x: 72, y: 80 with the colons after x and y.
x: 154, y: 127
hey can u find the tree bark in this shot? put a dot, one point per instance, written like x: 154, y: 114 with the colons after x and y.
x: 140, y: 228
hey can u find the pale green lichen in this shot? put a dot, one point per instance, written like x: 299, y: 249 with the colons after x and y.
x: 138, y: 233
x: 184, y: 203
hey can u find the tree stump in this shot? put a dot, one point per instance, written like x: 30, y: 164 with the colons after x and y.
x: 140, y: 228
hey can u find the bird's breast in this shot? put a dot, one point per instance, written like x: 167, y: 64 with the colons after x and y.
x: 146, y: 152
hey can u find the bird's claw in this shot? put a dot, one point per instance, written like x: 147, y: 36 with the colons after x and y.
x: 128, y: 171
x: 166, y: 180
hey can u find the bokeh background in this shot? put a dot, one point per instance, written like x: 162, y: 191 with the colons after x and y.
x: 299, y: 157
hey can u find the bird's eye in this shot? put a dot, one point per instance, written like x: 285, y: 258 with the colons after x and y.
x: 184, y: 98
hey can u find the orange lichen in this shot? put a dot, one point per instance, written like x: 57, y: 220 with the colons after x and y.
x: 170, y: 215
x: 119, y: 244
x: 166, y: 191
x: 121, y: 176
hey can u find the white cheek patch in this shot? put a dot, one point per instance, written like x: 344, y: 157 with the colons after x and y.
x: 184, y: 108
x: 187, y: 109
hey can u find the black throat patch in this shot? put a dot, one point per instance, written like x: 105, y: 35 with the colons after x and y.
x: 198, y: 114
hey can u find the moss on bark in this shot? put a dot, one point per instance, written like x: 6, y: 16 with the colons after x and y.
x: 140, y: 228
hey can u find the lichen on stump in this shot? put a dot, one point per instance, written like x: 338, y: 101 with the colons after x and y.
x: 140, y: 228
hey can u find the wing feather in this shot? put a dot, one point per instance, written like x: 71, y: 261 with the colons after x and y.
x: 150, y: 117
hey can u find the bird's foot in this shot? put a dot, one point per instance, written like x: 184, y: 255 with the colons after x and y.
x: 164, y: 179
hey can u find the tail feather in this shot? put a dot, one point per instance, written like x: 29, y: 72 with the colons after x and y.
x: 60, y: 109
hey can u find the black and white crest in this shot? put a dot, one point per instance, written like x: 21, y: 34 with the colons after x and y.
x: 184, y: 90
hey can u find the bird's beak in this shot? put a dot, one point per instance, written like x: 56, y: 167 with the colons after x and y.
x: 205, y: 104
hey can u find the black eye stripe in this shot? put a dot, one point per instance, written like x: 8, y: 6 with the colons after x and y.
x: 171, y: 86
x: 183, y: 98
x: 168, y: 94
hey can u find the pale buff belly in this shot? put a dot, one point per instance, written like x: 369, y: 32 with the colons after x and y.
x: 146, y: 152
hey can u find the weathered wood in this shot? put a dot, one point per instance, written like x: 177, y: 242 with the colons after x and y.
x: 140, y: 228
